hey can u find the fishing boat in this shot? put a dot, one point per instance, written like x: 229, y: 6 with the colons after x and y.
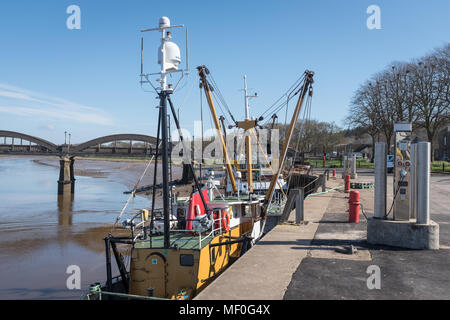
x: 177, y: 250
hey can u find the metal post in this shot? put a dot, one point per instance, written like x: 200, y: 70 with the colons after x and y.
x: 324, y: 182
x: 344, y: 172
x: 299, y: 206
x: 423, y: 185
x: 413, y: 183
x: 165, y: 167
x: 121, y: 266
x: 155, y: 171
x: 108, y: 265
x: 380, y: 180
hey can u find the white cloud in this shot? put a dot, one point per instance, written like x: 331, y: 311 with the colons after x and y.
x: 18, y: 101
x: 47, y: 126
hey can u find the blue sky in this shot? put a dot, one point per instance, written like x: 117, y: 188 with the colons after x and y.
x: 53, y: 79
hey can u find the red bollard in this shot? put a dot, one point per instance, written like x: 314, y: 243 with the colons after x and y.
x: 334, y: 173
x: 347, y: 183
x: 353, y: 206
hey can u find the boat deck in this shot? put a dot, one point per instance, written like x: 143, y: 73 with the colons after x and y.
x: 183, y: 240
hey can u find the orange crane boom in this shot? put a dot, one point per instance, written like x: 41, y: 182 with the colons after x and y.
x: 202, y: 71
x: 308, y: 81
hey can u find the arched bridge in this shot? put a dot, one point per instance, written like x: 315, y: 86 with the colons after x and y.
x: 114, y: 145
x: 34, y: 144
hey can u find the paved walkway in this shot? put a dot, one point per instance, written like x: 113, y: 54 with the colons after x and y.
x: 405, y: 274
x: 266, y: 270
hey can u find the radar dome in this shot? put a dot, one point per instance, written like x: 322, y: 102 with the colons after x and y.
x: 173, y: 56
x: 164, y: 22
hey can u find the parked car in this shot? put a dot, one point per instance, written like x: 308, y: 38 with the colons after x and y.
x: 390, y: 163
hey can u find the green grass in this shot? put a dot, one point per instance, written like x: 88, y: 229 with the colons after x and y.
x: 437, y: 166
x: 360, y: 163
x: 440, y: 166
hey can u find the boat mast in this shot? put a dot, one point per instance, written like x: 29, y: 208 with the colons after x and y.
x: 248, y: 144
x: 164, y: 92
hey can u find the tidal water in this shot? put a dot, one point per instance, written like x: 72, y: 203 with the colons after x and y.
x: 41, y: 234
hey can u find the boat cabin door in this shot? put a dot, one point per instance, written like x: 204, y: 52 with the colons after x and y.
x: 156, y: 265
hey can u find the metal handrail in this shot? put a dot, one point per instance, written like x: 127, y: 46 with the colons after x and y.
x: 201, y: 238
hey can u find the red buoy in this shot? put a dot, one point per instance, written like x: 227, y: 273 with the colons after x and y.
x: 353, y: 206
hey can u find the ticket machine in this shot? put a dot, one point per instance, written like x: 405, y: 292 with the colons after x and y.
x: 402, y: 171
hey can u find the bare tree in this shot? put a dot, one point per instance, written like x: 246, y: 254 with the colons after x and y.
x: 364, y: 113
x: 431, y: 82
x: 384, y: 106
x: 401, y: 91
x: 317, y: 137
x: 417, y: 92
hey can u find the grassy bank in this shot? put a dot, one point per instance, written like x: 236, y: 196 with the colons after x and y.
x: 440, y: 166
x: 335, y: 163
x: 437, y: 166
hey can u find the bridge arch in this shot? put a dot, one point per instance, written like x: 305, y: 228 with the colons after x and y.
x: 111, y: 138
x: 51, y: 147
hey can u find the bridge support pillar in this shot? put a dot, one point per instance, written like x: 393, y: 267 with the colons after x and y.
x: 72, y: 175
x: 65, y: 177
x: 65, y: 204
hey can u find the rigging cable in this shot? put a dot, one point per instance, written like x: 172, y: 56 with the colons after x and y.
x: 188, y: 93
x: 301, y: 130
x: 220, y: 96
x: 296, y: 84
x: 133, y: 193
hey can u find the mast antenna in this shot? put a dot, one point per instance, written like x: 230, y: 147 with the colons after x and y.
x: 247, y: 97
x: 169, y: 56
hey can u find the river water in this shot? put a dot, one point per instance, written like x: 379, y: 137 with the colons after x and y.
x: 41, y: 235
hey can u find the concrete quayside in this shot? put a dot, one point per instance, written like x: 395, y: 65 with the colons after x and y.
x: 326, y: 257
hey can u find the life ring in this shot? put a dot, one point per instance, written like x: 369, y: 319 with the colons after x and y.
x: 223, y: 221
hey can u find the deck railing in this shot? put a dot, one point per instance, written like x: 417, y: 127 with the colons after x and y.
x: 214, y: 230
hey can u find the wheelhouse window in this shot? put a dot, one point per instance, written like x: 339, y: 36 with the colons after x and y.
x: 186, y: 260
